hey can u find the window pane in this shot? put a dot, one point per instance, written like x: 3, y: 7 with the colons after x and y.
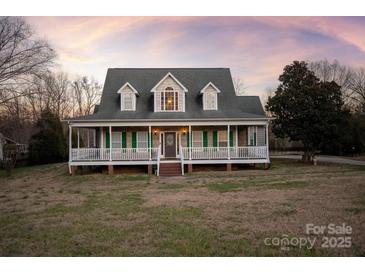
x: 116, y: 140
x: 197, y: 138
x: 169, y: 100
x: 142, y: 140
x: 209, y: 100
x: 128, y: 101
x: 222, y: 138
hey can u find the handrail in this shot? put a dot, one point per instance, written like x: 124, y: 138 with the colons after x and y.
x: 158, y: 159
x: 182, y: 159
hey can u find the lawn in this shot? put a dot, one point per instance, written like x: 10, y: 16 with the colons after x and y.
x: 45, y: 212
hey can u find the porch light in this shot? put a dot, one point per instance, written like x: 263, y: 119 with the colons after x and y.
x: 155, y: 132
x: 184, y: 131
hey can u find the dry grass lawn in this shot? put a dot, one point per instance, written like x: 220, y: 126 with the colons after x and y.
x: 45, y: 212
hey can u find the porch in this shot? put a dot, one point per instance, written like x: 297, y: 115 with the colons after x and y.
x: 153, y: 144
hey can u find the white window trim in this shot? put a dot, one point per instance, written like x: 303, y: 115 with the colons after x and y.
x: 138, y: 133
x: 176, y: 98
x: 225, y: 131
x: 205, y: 107
x: 251, y: 129
x: 122, y: 92
x: 202, y: 138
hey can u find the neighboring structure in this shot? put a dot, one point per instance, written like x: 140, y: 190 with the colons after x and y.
x: 169, y: 118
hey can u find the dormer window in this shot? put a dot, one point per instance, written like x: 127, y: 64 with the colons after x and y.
x: 169, y: 99
x: 210, y: 96
x: 169, y: 94
x: 128, y: 96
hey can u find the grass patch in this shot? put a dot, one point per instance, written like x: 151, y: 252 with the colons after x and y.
x: 171, y: 186
x: 224, y: 187
x: 353, y: 210
x: 284, y: 212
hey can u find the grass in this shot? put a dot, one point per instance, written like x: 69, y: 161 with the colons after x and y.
x: 45, y: 212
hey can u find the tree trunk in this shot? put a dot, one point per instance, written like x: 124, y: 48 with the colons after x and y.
x: 308, y: 156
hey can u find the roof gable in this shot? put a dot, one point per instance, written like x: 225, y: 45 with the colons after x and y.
x: 210, y: 84
x: 169, y: 74
x: 130, y: 86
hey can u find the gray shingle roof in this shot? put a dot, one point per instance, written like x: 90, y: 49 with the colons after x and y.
x: 194, y: 79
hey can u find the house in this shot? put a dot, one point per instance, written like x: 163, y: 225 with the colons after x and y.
x: 169, y: 119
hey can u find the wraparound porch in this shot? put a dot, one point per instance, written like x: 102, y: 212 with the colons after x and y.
x: 153, y: 144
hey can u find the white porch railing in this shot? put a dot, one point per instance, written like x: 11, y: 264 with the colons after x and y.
x: 118, y: 154
x: 247, y: 152
x: 197, y: 153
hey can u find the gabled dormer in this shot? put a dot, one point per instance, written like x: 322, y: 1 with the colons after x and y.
x: 128, y: 96
x: 169, y: 94
x: 210, y: 96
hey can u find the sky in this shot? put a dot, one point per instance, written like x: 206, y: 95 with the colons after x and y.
x: 256, y: 49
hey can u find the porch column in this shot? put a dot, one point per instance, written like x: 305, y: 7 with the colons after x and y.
x: 110, y: 143
x: 88, y: 138
x: 150, y: 143
x: 69, y: 143
x: 267, y: 140
x: 78, y: 138
x: 228, y: 142
x: 190, y: 141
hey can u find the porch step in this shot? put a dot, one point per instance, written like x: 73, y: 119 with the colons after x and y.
x: 170, y: 169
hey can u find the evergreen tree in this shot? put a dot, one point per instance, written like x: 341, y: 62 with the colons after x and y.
x: 48, y: 145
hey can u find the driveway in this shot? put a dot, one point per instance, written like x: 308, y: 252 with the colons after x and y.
x: 325, y: 158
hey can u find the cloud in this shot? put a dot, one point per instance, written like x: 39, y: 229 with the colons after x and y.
x: 255, y: 48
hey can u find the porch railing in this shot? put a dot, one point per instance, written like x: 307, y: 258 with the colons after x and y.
x: 117, y: 154
x: 208, y: 153
x: 197, y: 153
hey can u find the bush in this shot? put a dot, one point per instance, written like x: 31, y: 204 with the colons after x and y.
x: 48, y: 145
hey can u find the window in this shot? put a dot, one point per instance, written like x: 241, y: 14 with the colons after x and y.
x: 128, y: 101
x: 142, y: 139
x: 169, y: 100
x: 197, y: 139
x: 116, y: 139
x: 222, y: 138
x: 210, y: 100
x: 252, y: 133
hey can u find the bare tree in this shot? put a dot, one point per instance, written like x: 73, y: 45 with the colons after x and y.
x: 86, y: 94
x: 239, y: 85
x: 21, y: 55
x: 342, y: 75
x: 358, y: 88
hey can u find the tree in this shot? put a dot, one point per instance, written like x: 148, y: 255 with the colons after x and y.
x: 358, y: 89
x: 48, y: 145
x: 86, y: 94
x: 239, y: 85
x: 21, y: 55
x: 306, y: 109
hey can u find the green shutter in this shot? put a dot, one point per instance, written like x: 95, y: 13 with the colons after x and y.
x: 107, y: 139
x: 188, y: 139
x: 124, y: 139
x: 254, y: 139
x: 231, y: 138
x: 134, y: 139
x: 150, y: 138
x: 215, y: 138
x: 205, y: 139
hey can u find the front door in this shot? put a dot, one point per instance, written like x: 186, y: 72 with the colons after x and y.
x: 170, y: 145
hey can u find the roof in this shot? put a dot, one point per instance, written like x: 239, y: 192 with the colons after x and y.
x: 194, y: 79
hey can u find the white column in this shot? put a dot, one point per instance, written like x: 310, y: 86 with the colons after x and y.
x: 228, y: 143
x: 78, y: 138
x: 88, y: 138
x: 190, y: 141
x: 267, y: 140
x: 94, y: 138
x: 110, y: 143
x: 150, y: 142
x: 69, y: 143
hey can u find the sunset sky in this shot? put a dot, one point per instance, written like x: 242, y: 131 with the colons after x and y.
x: 255, y: 48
